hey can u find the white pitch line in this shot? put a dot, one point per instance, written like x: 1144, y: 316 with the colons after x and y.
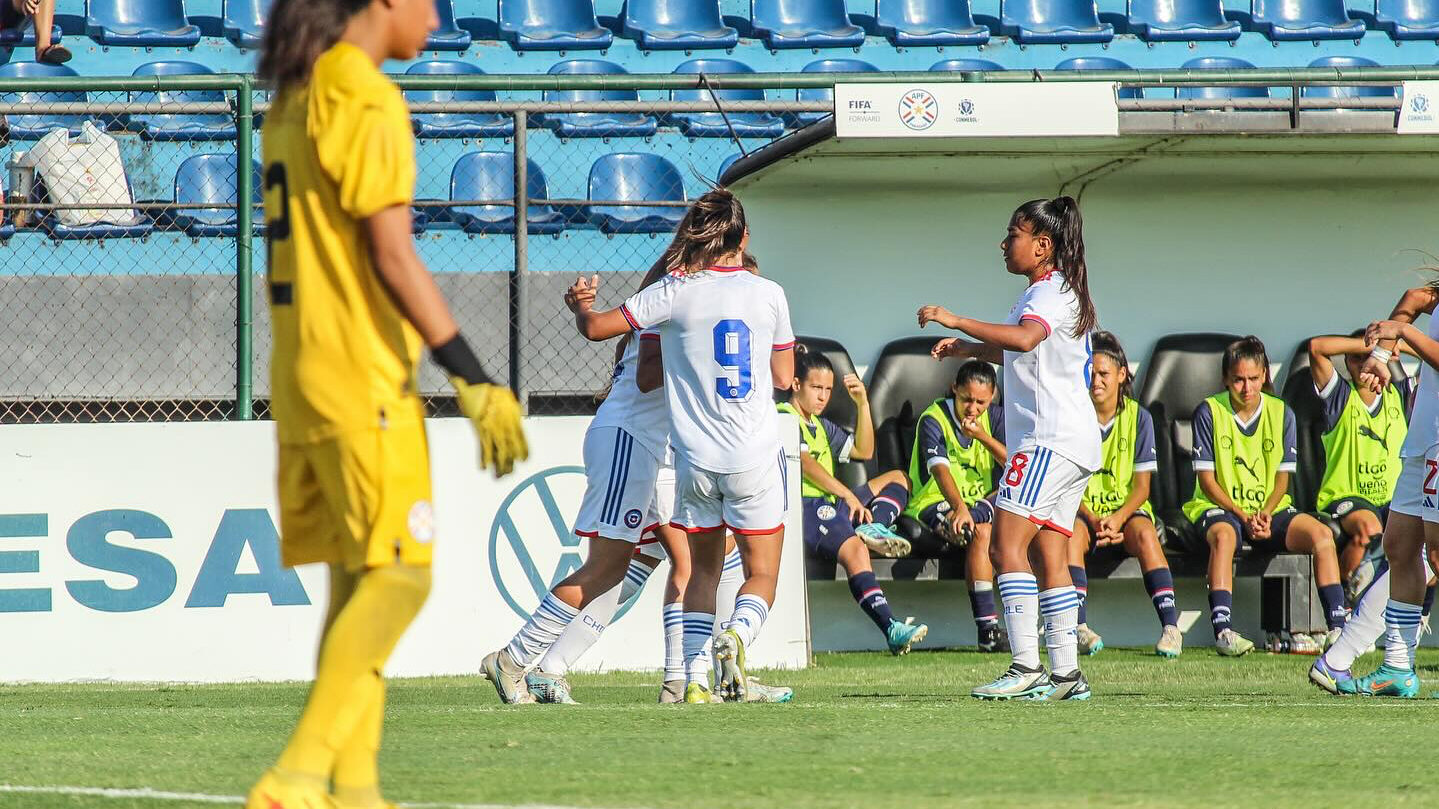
x: 198, y: 797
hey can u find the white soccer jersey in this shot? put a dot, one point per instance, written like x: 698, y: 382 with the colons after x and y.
x: 645, y: 416
x: 1424, y: 422
x: 1046, y: 391
x: 717, y: 329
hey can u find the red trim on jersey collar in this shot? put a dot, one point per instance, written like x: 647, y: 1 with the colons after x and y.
x: 1045, y: 277
x: 723, y: 268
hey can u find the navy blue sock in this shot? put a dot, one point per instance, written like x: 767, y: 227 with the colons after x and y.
x: 1081, y: 586
x: 1331, y: 597
x: 865, y: 589
x: 981, y: 602
x: 887, y: 505
x: 1221, y: 604
x: 1159, y: 583
x: 1428, y: 599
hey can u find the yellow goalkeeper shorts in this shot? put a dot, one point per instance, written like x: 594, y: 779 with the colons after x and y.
x: 361, y: 500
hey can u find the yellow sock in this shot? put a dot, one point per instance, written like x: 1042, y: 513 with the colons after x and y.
x: 352, y: 654
x: 357, y: 763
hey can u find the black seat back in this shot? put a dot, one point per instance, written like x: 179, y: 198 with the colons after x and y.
x: 904, y: 381
x: 841, y: 409
x: 1183, y: 370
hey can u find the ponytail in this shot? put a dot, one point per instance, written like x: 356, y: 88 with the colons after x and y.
x: 1059, y: 219
x: 296, y: 33
x: 1105, y: 344
x: 712, y: 228
x: 806, y: 361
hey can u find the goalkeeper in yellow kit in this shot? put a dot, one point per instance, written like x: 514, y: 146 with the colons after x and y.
x: 351, y: 303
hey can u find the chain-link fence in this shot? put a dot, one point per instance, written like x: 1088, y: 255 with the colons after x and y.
x: 129, y: 287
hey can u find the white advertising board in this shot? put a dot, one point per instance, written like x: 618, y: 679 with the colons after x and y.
x: 1419, y: 108
x: 148, y: 552
x: 950, y: 110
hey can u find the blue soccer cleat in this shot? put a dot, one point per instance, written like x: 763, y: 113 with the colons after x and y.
x: 1328, y: 678
x: 901, y: 636
x: 1385, y: 681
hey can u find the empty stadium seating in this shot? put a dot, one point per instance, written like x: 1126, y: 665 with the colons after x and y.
x: 1038, y: 22
x: 677, y: 25
x: 595, y: 124
x: 920, y: 23
x: 960, y: 65
x: 552, y: 25
x: 455, y: 124
x: 179, y: 126
x: 1282, y: 20
x: 634, y: 177
x: 825, y: 93
x: 1219, y: 63
x: 1407, y: 19
x: 1100, y: 63
x: 804, y: 24
x: 210, y: 178
x: 1180, y: 21
x: 35, y: 126
x: 140, y: 23
x: 1336, y: 91
x: 485, y: 176
x: 448, y: 37
x: 713, y: 124
x: 243, y: 21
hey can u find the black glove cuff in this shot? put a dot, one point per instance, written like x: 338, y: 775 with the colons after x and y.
x: 458, y: 359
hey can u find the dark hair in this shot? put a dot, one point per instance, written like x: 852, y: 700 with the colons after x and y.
x: 975, y: 371
x: 655, y: 273
x: 296, y: 33
x: 749, y: 262
x: 1059, y: 219
x: 806, y: 361
x: 1105, y: 344
x: 713, y: 227
x: 1247, y: 348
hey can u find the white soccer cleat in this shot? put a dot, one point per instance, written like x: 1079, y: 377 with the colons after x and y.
x: 1017, y: 682
x: 508, y: 676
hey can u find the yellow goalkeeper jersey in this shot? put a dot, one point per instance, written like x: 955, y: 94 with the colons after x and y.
x: 335, y: 151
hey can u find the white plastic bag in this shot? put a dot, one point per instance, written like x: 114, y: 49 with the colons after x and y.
x: 84, y: 169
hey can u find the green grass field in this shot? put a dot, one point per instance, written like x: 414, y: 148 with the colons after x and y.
x: 864, y: 730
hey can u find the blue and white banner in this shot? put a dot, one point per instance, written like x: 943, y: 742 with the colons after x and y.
x: 149, y: 552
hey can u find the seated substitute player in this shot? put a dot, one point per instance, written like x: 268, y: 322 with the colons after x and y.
x: 351, y: 305
x: 1244, y: 452
x: 1115, y: 513
x: 1363, y: 431
x: 958, y: 452
x: 843, y: 524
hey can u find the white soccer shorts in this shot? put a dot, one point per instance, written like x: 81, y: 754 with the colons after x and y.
x: 662, y: 511
x: 1044, y: 487
x: 751, y: 503
x: 620, y: 490
x: 1409, y: 487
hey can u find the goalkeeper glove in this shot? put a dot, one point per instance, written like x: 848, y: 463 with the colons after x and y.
x: 495, y: 413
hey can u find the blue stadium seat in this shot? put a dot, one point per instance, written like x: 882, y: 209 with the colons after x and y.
x: 595, y: 124
x: 1101, y: 63
x: 925, y: 23
x: 180, y: 126
x: 211, y: 178
x: 1219, y: 63
x: 1180, y: 21
x: 961, y: 65
x: 1335, y: 91
x: 1408, y: 19
x: 634, y: 177
x: 552, y: 25
x: 712, y: 124
x: 1057, y: 22
x: 35, y: 126
x: 663, y: 25
x: 140, y: 23
x: 491, y: 176
x: 804, y: 24
x: 826, y: 93
x: 455, y: 124
x: 244, y: 21
x: 448, y: 37
x: 1285, y: 20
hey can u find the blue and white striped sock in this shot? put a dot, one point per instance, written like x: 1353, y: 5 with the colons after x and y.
x: 1019, y: 592
x: 1401, y: 633
x: 540, y: 632
x: 674, y: 620
x: 750, y: 612
x: 1060, y: 608
x: 698, y: 627
x: 635, y: 578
